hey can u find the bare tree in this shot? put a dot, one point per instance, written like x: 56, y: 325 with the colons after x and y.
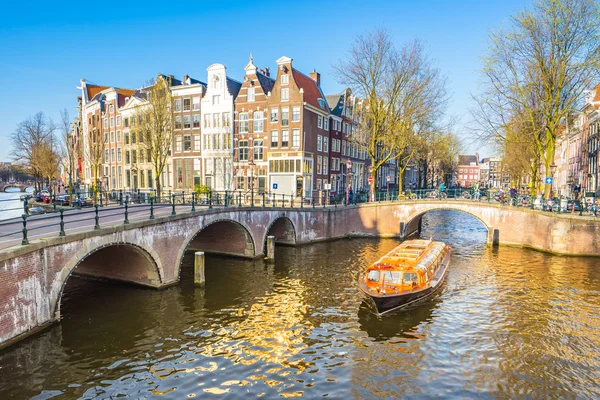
x: 540, y: 69
x: 402, y: 96
x: 34, y: 146
x: 155, y: 125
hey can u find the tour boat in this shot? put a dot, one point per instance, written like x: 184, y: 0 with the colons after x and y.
x: 411, y: 272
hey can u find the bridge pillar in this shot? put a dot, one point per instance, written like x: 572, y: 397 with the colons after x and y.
x: 271, y: 248
x: 402, y: 231
x: 199, y: 278
x: 493, y: 237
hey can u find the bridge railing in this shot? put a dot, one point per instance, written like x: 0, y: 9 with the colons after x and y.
x: 124, y: 207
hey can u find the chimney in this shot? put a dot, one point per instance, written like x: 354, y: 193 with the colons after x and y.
x: 316, y: 77
x: 267, y: 73
x: 186, y: 79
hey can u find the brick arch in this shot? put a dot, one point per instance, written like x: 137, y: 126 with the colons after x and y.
x: 282, y: 225
x: 152, y: 267
x: 249, y: 250
x: 413, y: 219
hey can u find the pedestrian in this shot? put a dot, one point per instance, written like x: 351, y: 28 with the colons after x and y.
x: 350, y: 195
x: 476, y: 190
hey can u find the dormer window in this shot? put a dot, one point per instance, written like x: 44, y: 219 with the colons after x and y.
x: 285, y: 79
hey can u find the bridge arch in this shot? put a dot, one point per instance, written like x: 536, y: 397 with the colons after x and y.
x: 283, y: 229
x: 413, y: 221
x: 120, y: 261
x: 209, y: 238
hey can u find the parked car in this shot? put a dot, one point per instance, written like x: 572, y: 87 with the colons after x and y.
x: 46, y: 198
x: 35, y: 210
x: 62, y: 200
x: 81, y: 202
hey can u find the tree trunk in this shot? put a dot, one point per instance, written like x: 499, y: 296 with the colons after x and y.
x: 548, y: 161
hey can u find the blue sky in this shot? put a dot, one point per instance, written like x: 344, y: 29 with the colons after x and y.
x: 46, y: 48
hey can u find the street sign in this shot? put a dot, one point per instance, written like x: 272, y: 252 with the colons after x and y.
x: 549, y: 180
x: 370, y: 179
x: 275, y: 186
x: 389, y: 178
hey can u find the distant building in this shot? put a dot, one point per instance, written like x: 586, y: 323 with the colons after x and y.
x: 468, y: 170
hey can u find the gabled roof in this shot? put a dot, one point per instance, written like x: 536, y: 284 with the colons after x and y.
x: 123, y: 95
x: 93, y: 90
x: 336, y: 103
x: 265, y: 82
x: 312, y: 92
x: 467, y: 160
x: 233, y: 87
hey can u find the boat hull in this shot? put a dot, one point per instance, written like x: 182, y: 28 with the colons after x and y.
x: 385, y: 303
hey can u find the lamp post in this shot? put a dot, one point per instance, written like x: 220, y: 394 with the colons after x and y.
x: 252, y: 165
x: 552, y: 172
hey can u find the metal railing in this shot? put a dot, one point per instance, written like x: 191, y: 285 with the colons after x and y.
x: 116, y: 208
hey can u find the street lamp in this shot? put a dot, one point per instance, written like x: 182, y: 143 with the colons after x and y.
x: 252, y: 165
x: 552, y: 172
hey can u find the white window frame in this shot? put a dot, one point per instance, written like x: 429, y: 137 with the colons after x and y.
x: 251, y: 94
x: 285, y: 79
x: 285, y: 94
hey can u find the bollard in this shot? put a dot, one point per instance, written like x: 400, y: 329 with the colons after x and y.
x: 151, y: 208
x: 120, y: 197
x: 225, y: 199
x: 401, y: 232
x: 173, y: 205
x: 126, y: 220
x: 493, y: 237
x: 24, y: 241
x: 283, y: 200
x: 62, y: 224
x: 101, y: 199
x: 193, y: 201
x: 54, y: 201
x: 96, y: 218
x: 580, y: 208
x: 271, y: 248
x: 263, y: 196
x: 199, y: 278
x: 210, y: 200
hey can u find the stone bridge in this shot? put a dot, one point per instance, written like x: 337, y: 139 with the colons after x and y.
x: 22, y: 187
x: 149, y: 252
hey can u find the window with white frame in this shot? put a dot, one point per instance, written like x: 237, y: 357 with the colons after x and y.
x: 178, y: 122
x: 243, y: 150
x: 296, y: 114
x: 258, y: 150
x: 326, y: 123
x: 325, y: 165
x: 285, y: 116
x: 207, y: 120
x: 216, y: 99
x: 196, y: 142
x: 259, y: 121
x: 325, y: 144
x: 196, y: 103
x: 226, y: 119
x: 285, y: 79
x: 112, y: 137
x: 320, y: 122
x: 112, y: 122
x: 295, y: 137
x: 186, y: 122
x: 196, y: 164
x: 112, y: 108
x: 118, y: 120
x: 274, y: 139
x: 285, y: 94
x: 275, y: 114
x: 243, y: 125
x: 177, y: 104
x: 196, y: 120
x: 216, y: 120
x: 251, y: 91
x: 285, y: 138
x: 119, y: 154
x: 187, y: 104
x: 319, y: 158
x: 178, y: 144
x: 319, y: 143
x: 118, y: 136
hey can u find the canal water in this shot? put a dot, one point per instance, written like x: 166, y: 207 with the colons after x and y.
x: 509, y: 323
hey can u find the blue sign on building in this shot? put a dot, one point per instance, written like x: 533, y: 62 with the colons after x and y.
x: 549, y: 180
x: 274, y: 186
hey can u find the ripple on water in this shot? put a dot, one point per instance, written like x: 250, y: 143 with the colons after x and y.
x: 509, y: 323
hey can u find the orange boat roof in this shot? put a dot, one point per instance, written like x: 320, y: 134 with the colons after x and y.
x: 408, y: 254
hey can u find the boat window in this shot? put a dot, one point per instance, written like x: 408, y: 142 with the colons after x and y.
x: 392, y: 277
x: 409, y: 278
x: 373, y: 276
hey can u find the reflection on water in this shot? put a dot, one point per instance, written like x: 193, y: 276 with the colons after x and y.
x: 509, y: 323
